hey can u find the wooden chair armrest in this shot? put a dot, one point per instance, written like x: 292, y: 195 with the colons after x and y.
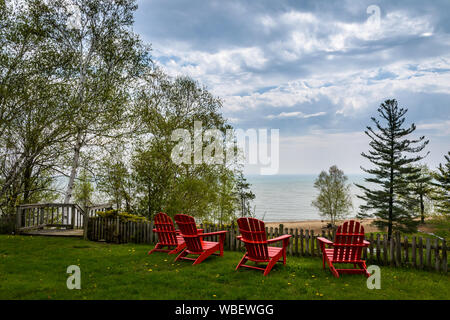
x: 239, y: 238
x: 325, y: 241
x: 280, y: 238
x: 213, y: 233
x: 366, y: 243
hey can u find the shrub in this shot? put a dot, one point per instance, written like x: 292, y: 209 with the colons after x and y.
x: 123, y: 216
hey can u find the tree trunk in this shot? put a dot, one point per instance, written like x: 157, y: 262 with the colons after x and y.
x: 13, y: 173
x: 73, y: 173
x: 27, y: 183
x: 391, y: 202
x: 422, y: 210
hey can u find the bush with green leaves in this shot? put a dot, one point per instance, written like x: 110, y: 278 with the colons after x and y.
x: 123, y: 216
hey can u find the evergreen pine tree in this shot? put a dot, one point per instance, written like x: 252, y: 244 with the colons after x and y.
x: 391, y: 202
x: 442, y: 184
x: 244, y: 194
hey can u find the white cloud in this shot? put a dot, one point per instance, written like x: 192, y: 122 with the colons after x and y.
x: 297, y: 114
x: 237, y: 74
x: 355, y: 90
x: 441, y: 128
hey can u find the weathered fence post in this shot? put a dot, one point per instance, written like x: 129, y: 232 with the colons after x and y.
x: 232, y: 247
x: 444, y: 256
x: 398, y: 248
x: 291, y: 242
x: 307, y: 242
x: 436, y: 254
x: 301, y: 243
x: 420, y: 253
x: 406, y: 247
x: 385, y: 250
x: 117, y: 229
x: 378, y: 248
x: 428, y: 253
x: 391, y: 251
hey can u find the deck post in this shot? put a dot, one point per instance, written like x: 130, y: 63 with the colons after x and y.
x: 85, y: 214
x: 73, y: 217
x: 41, y: 214
x: 18, y: 218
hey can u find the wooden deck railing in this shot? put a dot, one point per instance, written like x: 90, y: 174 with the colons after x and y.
x: 41, y: 215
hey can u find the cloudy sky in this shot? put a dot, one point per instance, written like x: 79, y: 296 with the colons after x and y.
x: 316, y: 70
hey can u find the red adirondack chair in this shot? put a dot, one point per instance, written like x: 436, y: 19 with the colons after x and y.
x: 347, y: 248
x: 253, y: 234
x: 195, y: 244
x: 167, y: 235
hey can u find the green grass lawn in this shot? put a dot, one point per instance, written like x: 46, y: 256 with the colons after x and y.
x: 35, y: 268
x: 440, y: 226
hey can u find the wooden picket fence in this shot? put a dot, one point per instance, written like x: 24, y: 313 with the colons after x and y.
x: 426, y: 254
x: 7, y: 223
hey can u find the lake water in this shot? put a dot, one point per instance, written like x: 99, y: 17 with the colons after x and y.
x: 289, y: 197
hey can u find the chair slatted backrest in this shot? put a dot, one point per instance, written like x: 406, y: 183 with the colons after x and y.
x: 189, y: 231
x: 349, y: 242
x: 253, y: 234
x: 164, y: 228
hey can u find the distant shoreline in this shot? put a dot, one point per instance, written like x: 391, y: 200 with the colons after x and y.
x: 317, y: 225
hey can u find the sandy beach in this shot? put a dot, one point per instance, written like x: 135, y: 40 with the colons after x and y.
x: 316, y: 225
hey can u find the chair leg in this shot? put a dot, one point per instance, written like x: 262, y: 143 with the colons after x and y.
x: 242, y: 262
x: 271, y: 264
x: 221, y: 245
x: 181, y: 255
x: 285, y: 246
x: 178, y: 249
x: 203, y: 256
x: 363, y: 266
x: 333, y: 270
x: 158, y: 246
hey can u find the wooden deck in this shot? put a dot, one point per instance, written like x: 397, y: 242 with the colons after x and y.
x: 55, y: 233
x: 55, y: 219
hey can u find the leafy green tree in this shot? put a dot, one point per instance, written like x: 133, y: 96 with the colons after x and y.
x: 227, y: 204
x: 84, y: 190
x: 442, y: 186
x: 115, y: 180
x: 392, y: 172
x: 104, y: 58
x: 33, y: 109
x: 155, y: 176
x: 422, y: 190
x: 334, y: 200
x: 163, y: 106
